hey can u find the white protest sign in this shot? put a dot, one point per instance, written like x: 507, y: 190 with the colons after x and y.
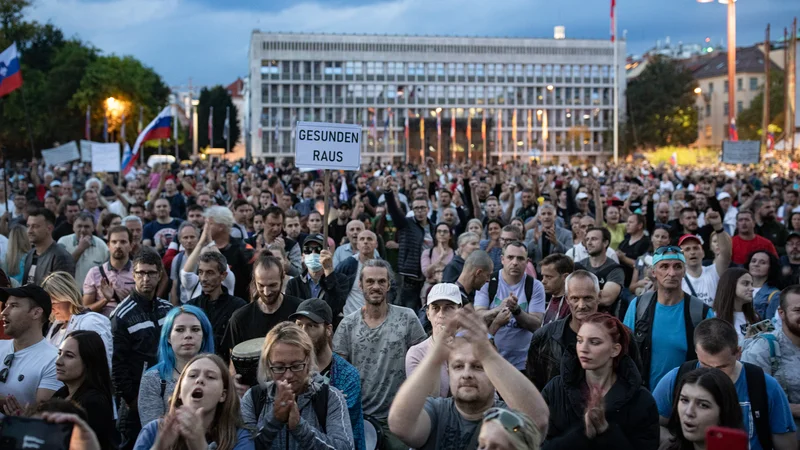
x: 105, y: 157
x: 86, y: 150
x: 62, y: 154
x: 321, y: 145
x: 741, y: 152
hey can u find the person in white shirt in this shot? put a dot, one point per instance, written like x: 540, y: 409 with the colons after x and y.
x: 86, y: 249
x: 28, y: 375
x: 578, y: 252
x: 700, y: 281
x: 729, y: 219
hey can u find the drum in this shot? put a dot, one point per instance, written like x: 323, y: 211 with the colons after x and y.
x: 245, y: 357
x: 373, y: 434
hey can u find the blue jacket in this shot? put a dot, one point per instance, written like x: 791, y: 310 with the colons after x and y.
x: 766, y: 301
x: 345, y: 377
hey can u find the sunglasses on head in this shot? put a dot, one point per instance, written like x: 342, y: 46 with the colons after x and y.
x: 668, y: 249
x: 510, y: 420
x: 9, y: 359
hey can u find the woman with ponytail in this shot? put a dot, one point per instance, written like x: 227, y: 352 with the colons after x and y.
x: 598, y: 401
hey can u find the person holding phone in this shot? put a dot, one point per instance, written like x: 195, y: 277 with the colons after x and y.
x: 203, y: 412
x: 707, y: 397
x: 603, y: 384
x: 83, y: 368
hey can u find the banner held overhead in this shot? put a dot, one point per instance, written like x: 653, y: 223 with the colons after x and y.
x: 320, y: 145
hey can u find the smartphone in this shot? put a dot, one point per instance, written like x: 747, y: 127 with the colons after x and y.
x: 759, y: 327
x: 721, y: 438
x: 26, y: 433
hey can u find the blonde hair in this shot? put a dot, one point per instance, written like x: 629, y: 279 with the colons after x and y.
x: 290, y: 334
x: 18, y: 246
x: 526, y: 438
x: 62, y: 288
x: 227, y: 417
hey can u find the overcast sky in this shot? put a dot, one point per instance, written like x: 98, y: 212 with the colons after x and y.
x: 207, y: 40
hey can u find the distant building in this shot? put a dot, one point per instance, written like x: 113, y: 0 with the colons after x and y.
x: 379, y: 82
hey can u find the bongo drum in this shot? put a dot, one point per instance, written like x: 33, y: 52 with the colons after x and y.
x: 245, y: 357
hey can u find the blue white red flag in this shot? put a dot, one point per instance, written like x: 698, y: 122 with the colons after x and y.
x: 770, y: 141
x: 159, y: 128
x: 733, y: 134
x: 10, y: 72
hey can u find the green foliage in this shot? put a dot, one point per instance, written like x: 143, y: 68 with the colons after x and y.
x: 661, y: 106
x: 219, y: 98
x: 61, y: 77
x: 749, y: 121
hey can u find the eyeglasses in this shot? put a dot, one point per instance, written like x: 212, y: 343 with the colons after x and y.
x: 420, y: 208
x: 310, y: 250
x: 141, y: 274
x: 282, y: 369
x: 443, y: 231
x: 7, y: 363
x: 510, y: 420
x: 668, y: 249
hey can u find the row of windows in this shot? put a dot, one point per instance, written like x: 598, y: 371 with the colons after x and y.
x: 338, y: 68
x: 739, y: 108
x: 754, y: 85
x: 361, y: 47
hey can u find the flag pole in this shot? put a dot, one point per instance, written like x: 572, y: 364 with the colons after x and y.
x: 28, y: 121
x: 765, y: 112
x: 228, y: 129
x: 616, y: 80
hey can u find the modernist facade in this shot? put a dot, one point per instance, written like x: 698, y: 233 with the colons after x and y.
x: 450, y: 98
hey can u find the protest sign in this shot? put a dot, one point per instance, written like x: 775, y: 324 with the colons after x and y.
x: 741, y: 152
x: 61, y: 154
x: 105, y: 157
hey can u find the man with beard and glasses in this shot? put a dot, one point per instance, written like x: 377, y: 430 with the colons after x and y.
x: 768, y: 226
x: 790, y: 262
x: 314, y: 316
x: 107, y: 284
x: 28, y: 376
x: 136, y: 328
x: 477, y: 373
x: 214, y: 298
x: 778, y: 352
x: 375, y: 339
x: 551, y: 343
x: 269, y: 308
x: 746, y: 240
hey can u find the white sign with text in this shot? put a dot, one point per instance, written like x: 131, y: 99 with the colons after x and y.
x: 105, y: 157
x: 321, y: 145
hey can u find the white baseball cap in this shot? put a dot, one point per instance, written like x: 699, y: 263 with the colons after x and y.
x: 723, y: 196
x: 444, y: 291
x: 581, y: 196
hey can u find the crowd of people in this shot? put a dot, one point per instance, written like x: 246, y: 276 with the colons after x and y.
x: 201, y: 305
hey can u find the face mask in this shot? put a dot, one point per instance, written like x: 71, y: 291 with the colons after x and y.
x: 312, y: 262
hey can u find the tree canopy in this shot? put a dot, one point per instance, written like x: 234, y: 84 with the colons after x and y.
x: 749, y: 122
x: 220, y: 99
x: 61, y: 77
x: 661, y: 106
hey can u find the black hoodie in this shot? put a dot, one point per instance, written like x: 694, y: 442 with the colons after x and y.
x: 630, y: 411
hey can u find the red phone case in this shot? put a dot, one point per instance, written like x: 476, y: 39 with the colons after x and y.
x: 720, y: 438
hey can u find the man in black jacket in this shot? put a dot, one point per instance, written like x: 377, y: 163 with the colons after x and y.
x: 467, y: 243
x: 318, y: 279
x: 414, y: 233
x: 551, y: 343
x: 136, y: 328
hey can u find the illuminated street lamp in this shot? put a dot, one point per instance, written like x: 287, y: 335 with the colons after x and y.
x: 698, y: 91
x: 731, y: 58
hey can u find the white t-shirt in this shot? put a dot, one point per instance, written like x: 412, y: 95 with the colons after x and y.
x: 579, y: 253
x: 32, y: 368
x: 190, y: 284
x: 740, y: 324
x: 705, y: 286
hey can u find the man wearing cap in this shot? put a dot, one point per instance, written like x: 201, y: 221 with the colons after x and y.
x: 583, y: 204
x: 444, y: 300
x: 729, y: 212
x: 790, y: 262
x: 668, y: 313
x: 315, y: 317
x: 318, y: 279
x: 28, y: 375
x: 701, y: 281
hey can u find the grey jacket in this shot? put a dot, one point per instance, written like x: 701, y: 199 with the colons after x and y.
x: 563, y: 236
x: 273, y: 434
x: 55, y: 258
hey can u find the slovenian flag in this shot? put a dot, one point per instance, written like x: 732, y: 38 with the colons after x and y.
x: 159, y: 128
x: 10, y: 73
x: 770, y: 141
x: 733, y: 134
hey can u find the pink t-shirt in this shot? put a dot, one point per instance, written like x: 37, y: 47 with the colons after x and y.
x: 415, y: 355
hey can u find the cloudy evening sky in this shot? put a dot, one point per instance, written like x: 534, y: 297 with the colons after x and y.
x: 208, y: 39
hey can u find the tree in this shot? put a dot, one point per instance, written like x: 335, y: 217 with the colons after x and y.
x: 220, y: 99
x: 749, y: 122
x: 661, y: 106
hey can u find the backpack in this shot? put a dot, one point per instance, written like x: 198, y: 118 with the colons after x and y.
x: 756, y: 391
x: 495, y: 281
x: 319, y: 401
x: 774, y: 354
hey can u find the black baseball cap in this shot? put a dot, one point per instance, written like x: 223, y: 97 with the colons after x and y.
x: 314, y: 309
x: 314, y: 237
x: 31, y: 291
x: 793, y: 234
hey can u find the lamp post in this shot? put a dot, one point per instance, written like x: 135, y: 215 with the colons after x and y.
x: 731, y: 58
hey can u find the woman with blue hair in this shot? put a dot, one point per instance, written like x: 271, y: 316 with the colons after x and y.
x: 186, y: 333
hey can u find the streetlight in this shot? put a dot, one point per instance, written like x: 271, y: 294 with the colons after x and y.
x: 731, y: 58
x: 698, y: 91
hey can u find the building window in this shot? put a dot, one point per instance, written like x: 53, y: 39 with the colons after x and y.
x: 708, y: 110
x: 753, y: 83
x: 709, y: 131
x: 739, y: 107
x: 725, y: 86
x: 710, y: 88
x: 739, y: 84
x: 725, y: 109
